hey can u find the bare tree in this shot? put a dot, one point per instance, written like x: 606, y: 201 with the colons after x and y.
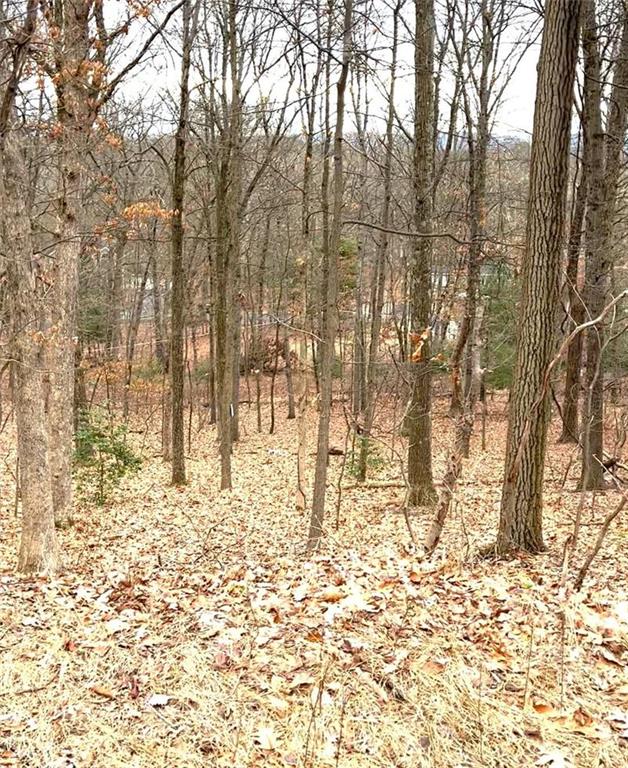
x: 520, y: 525
x: 418, y: 417
x: 38, y: 552
x: 177, y: 362
x: 604, y: 168
x: 331, y: 248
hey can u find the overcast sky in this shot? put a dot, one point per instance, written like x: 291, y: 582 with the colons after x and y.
x: 157, y: 83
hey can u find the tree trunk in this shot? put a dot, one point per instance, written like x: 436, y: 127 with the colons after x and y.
x: 115, y: 301
x: 604, y: 172
x: 177, y: 306
x: 520, y: 524
x: 571, y: 397
x: 289, y: 382
x: 419, y: 416
x: 131, y: 339
x: 379, y: 279
x: 331, y: 257
x: 38, y: 551
x: 158, y: 317
x: 76, y: 112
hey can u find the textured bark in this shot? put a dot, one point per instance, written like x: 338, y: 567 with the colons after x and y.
x: 596, y: 258
x: 604, y: 172
x: 228, y: 206
x: 77, y: 104
x: 419, y: 415
x: 331, y: 256
x: 38, y: 551
x: 223, y: 332
x: 520, y: 524
x: 158, y: 319
x: 166, y: 419
x: 177, y: 306
x: 30, y: 331
x: 569, y: 432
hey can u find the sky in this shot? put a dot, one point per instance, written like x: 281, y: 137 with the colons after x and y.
x: 157, y: 82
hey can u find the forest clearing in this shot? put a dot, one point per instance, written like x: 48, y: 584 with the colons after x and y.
x: 313, y: 383
x: 190, y: 629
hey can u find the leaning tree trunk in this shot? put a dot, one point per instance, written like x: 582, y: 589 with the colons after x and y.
x: 419, y: 413
x: 520, y: 524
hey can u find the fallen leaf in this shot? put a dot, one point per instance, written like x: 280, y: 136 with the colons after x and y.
x: 302, y: 679
x: 543, y: 708
x: 157, y: 700
x: 266, y: 738
x: 102, y: 691
x: 433, y: 667
x: 332, y: 595
x: 554, y: 759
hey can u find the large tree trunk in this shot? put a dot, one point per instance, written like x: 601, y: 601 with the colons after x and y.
x: 520, y: 524
x: 330, y: 319
x: 38, y: 552
x: 596, y: 258
x: 419, y: 414
x: 227, y: 206
x: 77, y: 105
x: 29, y: 321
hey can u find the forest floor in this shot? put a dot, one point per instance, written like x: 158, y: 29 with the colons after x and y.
x: 189, y: 629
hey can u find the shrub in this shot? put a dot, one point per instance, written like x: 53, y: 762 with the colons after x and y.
x: 148, y: 371
x: 374, y: 459
x: 102, y: 457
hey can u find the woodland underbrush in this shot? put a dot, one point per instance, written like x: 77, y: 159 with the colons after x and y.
x: 189, y: 628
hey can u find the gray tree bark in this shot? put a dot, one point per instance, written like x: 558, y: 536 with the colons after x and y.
x: 520, y: 523
x: 419, y: 413
x: 331, y: 256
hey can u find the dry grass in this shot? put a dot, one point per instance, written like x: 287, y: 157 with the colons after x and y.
x: 361, y: 656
